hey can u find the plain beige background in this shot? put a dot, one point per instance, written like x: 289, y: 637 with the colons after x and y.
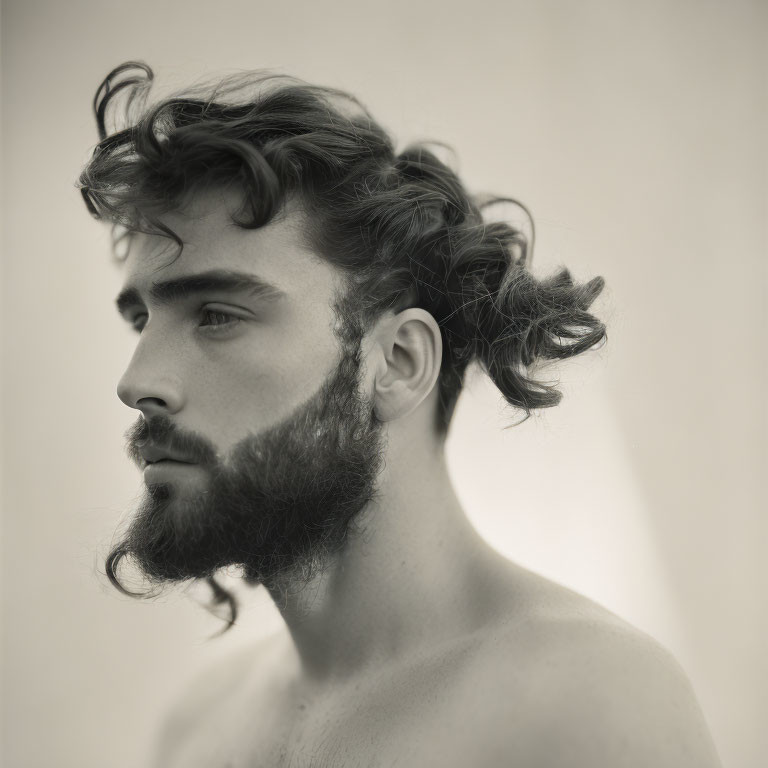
x: 636, y: 134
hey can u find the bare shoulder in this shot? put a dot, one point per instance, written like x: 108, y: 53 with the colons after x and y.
x: 565, y: 682
x: 203, y: 703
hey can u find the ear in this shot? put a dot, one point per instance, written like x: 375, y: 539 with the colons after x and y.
x: 411, y: 350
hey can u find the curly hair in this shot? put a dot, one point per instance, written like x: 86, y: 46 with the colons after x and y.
x: 401, y: 226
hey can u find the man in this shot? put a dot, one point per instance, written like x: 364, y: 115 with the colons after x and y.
x: 307, y: 302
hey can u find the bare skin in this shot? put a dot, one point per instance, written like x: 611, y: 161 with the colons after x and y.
x: 551, y: 680
x: 419, y: 645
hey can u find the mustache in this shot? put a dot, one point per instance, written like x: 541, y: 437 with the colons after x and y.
x: 162, y: 432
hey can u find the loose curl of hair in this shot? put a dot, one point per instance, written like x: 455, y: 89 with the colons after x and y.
x: 401, y: 226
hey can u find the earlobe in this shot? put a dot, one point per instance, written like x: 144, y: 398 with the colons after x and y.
x: 412, y: 347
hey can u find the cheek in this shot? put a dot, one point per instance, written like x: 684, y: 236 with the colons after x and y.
x: 256, y: 385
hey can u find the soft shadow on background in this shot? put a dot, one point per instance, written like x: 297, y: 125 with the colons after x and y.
x: 635, y: 132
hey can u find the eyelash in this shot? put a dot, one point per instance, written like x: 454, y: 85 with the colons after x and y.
x: 231, y: 322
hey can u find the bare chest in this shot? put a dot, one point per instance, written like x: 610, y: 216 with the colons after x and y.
x: 405, y: 720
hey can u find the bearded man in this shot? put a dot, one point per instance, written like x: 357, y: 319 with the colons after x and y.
x: 307, y: 301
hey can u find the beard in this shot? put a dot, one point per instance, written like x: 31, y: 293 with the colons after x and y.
x: 281, y: 505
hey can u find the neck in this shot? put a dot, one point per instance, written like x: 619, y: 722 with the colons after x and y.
x: 412, y: 577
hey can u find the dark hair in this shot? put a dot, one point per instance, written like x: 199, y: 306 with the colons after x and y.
x: 400, y: 225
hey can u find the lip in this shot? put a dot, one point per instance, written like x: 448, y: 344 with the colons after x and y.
x: 168, y: 468
x: 154, y: 455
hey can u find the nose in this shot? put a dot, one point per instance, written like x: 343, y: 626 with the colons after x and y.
x: 149, y: 383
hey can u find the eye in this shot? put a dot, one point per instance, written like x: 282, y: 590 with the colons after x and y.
x: 211, y: 321
x: 215, y: 321
x: 139, y: 321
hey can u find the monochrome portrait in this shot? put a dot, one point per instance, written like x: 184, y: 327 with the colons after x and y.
x: 384, y: 385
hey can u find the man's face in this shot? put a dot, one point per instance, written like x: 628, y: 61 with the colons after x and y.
x: 246, y: 382
x: 227, y: 363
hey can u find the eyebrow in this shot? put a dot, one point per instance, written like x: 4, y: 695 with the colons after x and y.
x: 177, y: 288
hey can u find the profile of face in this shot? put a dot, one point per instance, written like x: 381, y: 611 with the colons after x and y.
x: 258, y: 442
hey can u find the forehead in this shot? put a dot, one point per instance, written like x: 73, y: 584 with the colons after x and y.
x: 275, y: 253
